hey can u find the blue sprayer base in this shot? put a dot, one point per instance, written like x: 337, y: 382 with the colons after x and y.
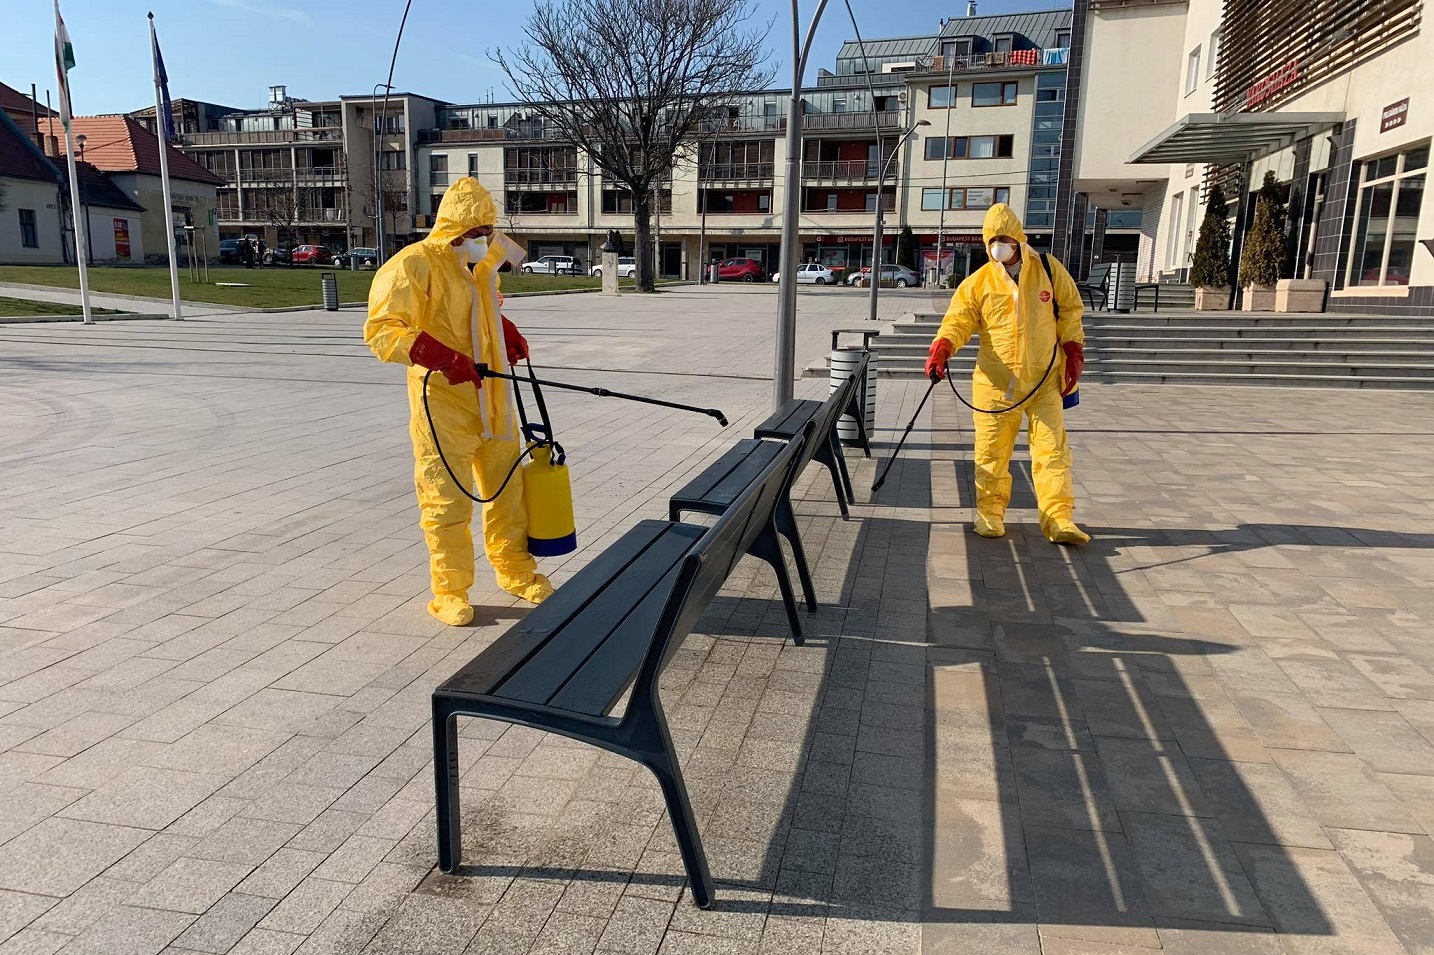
x: 556, y: 547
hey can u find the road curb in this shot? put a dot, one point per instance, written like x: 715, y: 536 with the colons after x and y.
x: 44, y: 319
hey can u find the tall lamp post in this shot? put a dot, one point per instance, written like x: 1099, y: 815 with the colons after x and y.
x: 875, y: 277
x: 377, y: 191
x: 85, y: 206
x: 784, y: 370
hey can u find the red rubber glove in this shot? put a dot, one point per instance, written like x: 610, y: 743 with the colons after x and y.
x: 428, y: 352
x: 517, y: 344
x: 936, y: 361
x: 1075, y: 364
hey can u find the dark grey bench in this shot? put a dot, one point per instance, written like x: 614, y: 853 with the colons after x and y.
x: 612, y: 626
x: 1095, y: 287
x: 789, y: 420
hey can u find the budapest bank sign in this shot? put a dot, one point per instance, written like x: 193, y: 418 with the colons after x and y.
x: 1282, y: 79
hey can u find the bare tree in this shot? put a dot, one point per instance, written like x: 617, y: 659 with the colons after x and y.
x: 392, y: 200
x: 630, y: 81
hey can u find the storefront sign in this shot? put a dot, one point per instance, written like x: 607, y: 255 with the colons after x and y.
x: 1394, y: 115
x: 122, y: 239
x: 1283, y: 78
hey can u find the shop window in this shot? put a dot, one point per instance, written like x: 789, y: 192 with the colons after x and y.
x: 29, y: 235
x: 993, y: 94
x: 941, y: 97
x: 1386, y: 219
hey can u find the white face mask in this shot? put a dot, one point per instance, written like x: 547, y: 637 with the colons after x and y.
x: 1002, y: 252
x: 474, y: 250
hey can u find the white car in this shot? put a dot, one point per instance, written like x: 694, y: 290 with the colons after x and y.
x: 626, y: 268
x: 552, y: 265
x: 812, y: 273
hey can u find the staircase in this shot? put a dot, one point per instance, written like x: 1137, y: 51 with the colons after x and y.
x: 1225, y: 348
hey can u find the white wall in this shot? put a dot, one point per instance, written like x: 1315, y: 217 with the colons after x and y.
x: 101, y: 235
x: 43, y: 198
x: 1133, y: 70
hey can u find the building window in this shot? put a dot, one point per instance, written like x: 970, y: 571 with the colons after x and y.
x: 29, y: 236
x: 1063, y: 39
x: 940, y: 97
x: 433, y: 202
x: 1003, y: 44
x: 993, y: 94
x: 930, y: 200
x: 1172, y: 234
x: 1192, y: 71
x: 1386, y: 220
x: 472, y: 164
x: 764, y: 202
x: 970, y: 147
x: 979, y: 198
x: 394, y: 159
x: 438, y: 169
x: 832, y: 202
x: 1212, y: 54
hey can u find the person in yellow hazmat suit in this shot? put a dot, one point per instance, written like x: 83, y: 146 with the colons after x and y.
x: 1009, y: 300
x: 434, y: 306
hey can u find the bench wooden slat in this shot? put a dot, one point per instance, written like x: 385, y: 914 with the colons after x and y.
x: 545, y: 670
x: 755, y: 456
x: 790, y: 420
x: 715, y: 473
x: 605, y: 675
x: 508, y: 652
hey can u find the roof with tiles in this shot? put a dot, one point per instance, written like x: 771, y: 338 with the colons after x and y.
x: 14, y: 101
x: 96, y: 189
x: 122, y: 144
x: 20, y: 158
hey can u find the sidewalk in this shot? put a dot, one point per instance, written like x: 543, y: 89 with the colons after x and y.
x: 123, y: 303
x: 1210, y: 731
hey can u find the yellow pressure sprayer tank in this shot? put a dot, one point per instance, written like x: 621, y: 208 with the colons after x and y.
x: 548, y: 497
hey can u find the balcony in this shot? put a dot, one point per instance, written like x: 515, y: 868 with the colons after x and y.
x: 320, y: 175
x: 817, y: 122
x: 322, y: 216
x: 845, y: 170
x: 493, y: 134
x: 539, y: 178
x: 743, y: 124
x: 736, y: 172
x: 324, y: 134
x: 978, y: 62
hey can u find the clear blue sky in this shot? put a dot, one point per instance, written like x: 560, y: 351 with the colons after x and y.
x: 231, y: 51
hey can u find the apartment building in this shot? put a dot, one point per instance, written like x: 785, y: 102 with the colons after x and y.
x: 1324, y: 95
x: 990, y: 89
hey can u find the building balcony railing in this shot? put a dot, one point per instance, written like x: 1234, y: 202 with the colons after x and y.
x: 865, y: 119
x: 1014, y: 60
x: 303, y: 215
x: 888, y: 206
x: 737, y: 172
x: 845, y: 170
x: 743, y: 124
x: 562, y: 176
x: 491, y: 134
x: 322, y: 134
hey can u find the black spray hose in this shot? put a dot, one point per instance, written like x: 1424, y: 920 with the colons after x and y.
x: 934, y: 381
x: 485, y: 372
x: 447, y: 467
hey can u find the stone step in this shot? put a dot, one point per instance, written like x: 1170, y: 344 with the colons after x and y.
x: 1219, y: 319
x: 1329, y: 353
x: 1218, y: 376
x: 1171, y: 364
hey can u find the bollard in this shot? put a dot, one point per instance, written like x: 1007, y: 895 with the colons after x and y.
x: 843, y: 366
x: 330, y: 283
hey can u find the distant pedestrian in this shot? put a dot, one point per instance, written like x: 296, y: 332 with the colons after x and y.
x: 263, y: 250
x: 246, y: 253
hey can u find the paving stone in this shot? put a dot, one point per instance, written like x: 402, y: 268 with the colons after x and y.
x: 190, y: 885
x: 1397, y: 870
x: 1254, y: 802
x: 19, y: 909
x: 1151, y: 776
x: 1341, y: 792
x: 1087, y: 887
x: 303, y: 909
x: 426, y: 925
x: 1385, y: 741
x: 224, y: 923
x: 125, y: 930
x: 60, y: 855
x: 1188, y: 869
x: 145, y: 797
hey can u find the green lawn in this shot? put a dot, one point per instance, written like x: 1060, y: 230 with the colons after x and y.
x: 267, y: 288
x: 18, y: 306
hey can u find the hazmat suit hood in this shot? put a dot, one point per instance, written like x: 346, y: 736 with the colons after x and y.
x: 1000, y: 220
x: 466, y: 205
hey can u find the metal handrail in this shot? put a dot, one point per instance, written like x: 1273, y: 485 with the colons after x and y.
x: 710, y: 172
x: 856, y: 120
x: 563, y: 175
x: 847, y: 170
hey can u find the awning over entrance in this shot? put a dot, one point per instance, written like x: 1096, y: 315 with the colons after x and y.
x: 1218, y: 138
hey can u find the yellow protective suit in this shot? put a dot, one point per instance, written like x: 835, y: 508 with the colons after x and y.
x: 428, y: 288
x: 1019, y: 331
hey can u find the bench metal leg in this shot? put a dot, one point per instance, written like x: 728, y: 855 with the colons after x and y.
x: 840, y: 455
x: 766, y: 547
x: 825, y: 455
x: 862, y: 437
x: 445, y: 777
x: 651, y: 745
x: 787, y: 525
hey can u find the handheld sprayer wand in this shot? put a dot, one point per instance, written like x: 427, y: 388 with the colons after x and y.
x: 485, y: 372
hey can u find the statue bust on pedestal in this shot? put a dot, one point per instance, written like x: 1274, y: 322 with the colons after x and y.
x: 611, y: 250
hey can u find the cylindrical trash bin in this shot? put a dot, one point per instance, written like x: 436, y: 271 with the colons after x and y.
x: 331, y: 292
x: 844, y: 362
x: 713, y: 273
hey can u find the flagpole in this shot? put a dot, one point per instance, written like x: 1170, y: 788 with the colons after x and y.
x: 159, y: 127
x: 82, y: 252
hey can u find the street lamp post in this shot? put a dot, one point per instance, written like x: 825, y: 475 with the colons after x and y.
x: 784, y: 369
x: 85, y: 206
x: 377, y: 192
x: 875, y: 277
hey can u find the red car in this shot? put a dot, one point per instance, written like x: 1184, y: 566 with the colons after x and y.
x: 740, y: 270
x: 312, y: 255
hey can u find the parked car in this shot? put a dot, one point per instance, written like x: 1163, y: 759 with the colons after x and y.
x: 813, y: 273
x: 228, y: 251
x: 279, y: 256
x: 740, y: 270
x: 312, y: 255
x: 626, y: 268
x: 898, y: 275
x: 364, y: 258
x: 553, y: 265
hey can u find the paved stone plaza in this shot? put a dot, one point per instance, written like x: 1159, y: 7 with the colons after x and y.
x: 1209, y: 731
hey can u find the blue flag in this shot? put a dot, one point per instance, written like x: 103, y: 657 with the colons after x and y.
x: 161, y: 81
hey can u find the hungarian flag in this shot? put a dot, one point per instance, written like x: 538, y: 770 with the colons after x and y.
x: 161, y: 82
x: 64, y: 62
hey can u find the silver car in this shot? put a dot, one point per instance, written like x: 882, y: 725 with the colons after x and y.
x: 626, y: 268
x: 898, y: 275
